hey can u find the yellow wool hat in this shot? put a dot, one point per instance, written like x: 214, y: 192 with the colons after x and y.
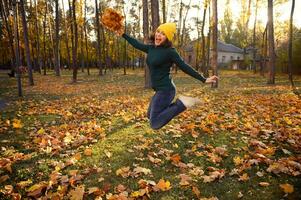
x: 169, y: 29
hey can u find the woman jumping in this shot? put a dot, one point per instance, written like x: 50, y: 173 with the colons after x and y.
x: 160, y: 58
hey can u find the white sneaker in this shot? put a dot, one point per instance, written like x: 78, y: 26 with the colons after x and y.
x: 189, y: 102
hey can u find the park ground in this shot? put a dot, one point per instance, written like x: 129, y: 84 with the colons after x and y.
x: 91, y: 140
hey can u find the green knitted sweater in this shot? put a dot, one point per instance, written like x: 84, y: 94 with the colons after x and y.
x: 159, y: 60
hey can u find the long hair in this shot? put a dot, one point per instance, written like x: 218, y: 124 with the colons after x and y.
x: 166, y: 44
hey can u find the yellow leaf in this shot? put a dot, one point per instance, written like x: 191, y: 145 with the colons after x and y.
x: 23, y: 184
x: 288, y: 121
x: 17, y: 123
x: 244, y: 177
x: 287, y: 188
x: 237, y: 160
x: 41, y: 131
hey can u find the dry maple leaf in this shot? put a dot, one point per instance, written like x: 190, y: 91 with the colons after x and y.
x: 196, y: 191
x: 185, y: 180
x: 162, y: 185
x: 124, y: 172
x: 77, y: 193
x: 112, y: 19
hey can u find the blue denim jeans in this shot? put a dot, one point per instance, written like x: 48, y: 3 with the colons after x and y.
x: 161, y: 109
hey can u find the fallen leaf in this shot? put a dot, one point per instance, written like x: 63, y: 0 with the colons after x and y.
x: 24, y: 184
x: 264, y: 184
x: 244, y: 177
x: 175, y: 158
x: 124, y: 172
x: 37, y: 189
x: 17, y: 123
x: 4, y: 178
x: 185, y: 180
x: 88, y: 152
x: 287, y: 188
x: 162, y: 185
x: 196, y: 191
x: 77, y: 193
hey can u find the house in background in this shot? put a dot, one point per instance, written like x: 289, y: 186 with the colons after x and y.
x: 229, y: 56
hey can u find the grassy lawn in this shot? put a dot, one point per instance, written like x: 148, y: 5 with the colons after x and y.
x: 92, y: 139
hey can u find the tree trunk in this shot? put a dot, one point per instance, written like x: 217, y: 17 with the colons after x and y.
x: 214, y: 41
x: 44, y: 37
x: 57, y: 40
x: 164, y: 10
x: 203, y: 68
x: 254, y: 38
x: 66, y: 38
x: 37, y: 38
x: 86, y: 39
x: 271, y: 63
x: 147, y: 81
x: 26, y: 43
x: 184, y: 24
x: 74, y: 51
x: 290, y: 46
x: 98, y: 38
x: 17, y: 50
x: 155, y: 14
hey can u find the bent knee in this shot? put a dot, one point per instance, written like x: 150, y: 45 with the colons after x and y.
x: 154, y: 126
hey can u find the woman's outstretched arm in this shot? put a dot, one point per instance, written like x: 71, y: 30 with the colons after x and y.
x: 176, y: 58
x: 136, y: 44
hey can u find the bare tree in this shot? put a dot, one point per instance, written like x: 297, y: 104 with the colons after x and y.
x: 74, y: 50
x: 290, y: 45
x: 254, y: 37
x: 66, y: 35
x: 17, y: 50
x: 26, y: 43
x: 271, y: 63
x: 204, y: 68
x: 57, y: 39
x: 214, y: 41
x: 97, y: 26
x: 155, y: 14
x: 147, y: 81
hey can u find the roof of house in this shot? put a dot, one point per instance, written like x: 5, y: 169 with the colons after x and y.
x: 221, y: 46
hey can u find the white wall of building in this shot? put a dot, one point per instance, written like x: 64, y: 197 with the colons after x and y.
x: 225, y: 57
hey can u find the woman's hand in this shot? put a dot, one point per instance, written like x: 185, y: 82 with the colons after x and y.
x: 212, y: 79
x: 120, y: 32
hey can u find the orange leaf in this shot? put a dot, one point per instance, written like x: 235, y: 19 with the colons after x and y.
x: 163, y: 185
x: 196, y: 191
x: 175, y: 158
x: 88, y: 152
x: 287, y: 188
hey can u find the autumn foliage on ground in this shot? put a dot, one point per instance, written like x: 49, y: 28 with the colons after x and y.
x: 91, y: 140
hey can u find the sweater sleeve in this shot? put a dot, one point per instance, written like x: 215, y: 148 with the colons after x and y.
x: 178, y: 60
x: 136, y: 44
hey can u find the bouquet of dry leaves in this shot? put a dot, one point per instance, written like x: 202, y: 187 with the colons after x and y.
x: 112, y: 20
